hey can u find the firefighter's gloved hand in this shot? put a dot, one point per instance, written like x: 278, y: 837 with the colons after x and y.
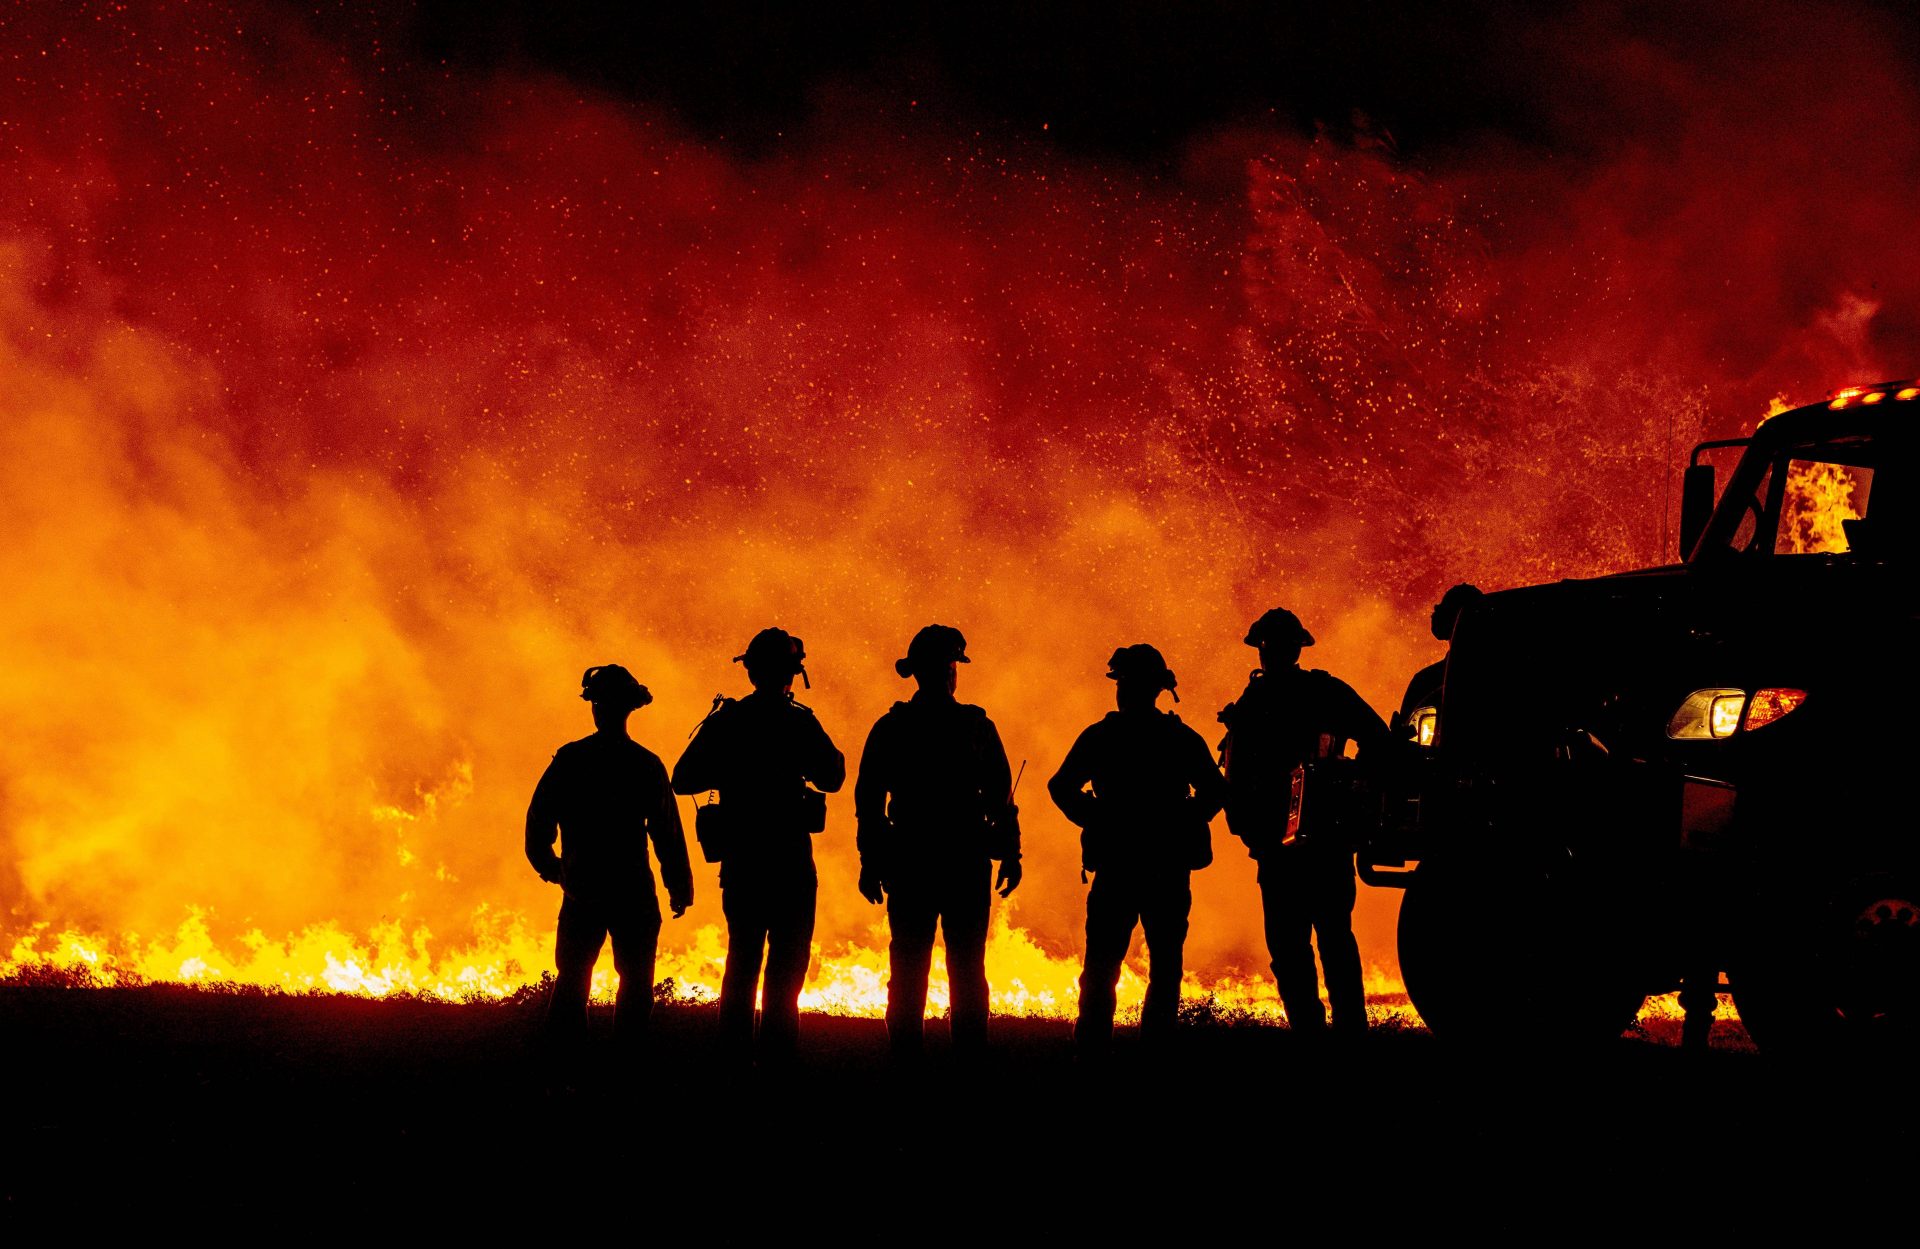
x: 679, y: 902
x: 872, y: 888
x: 1009, y: 876
x: 550, y: 872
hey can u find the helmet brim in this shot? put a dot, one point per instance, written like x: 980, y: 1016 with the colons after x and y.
x: 906, y: 667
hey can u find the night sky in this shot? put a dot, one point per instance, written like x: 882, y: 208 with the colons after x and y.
x: 1140, y: 81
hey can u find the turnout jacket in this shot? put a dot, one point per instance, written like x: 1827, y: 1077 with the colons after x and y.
x: 1283, y: 719
x: 760, y: 753
x: 934, y: 783
x: 606, y: 796
x: 1155, y: 789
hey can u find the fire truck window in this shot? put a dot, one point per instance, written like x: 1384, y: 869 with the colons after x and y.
x: 1822, y: 507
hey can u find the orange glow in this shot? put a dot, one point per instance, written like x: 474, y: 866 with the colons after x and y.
x: 1908, y: 393
x: 1769, y: 705
x: 1874, y: 396
x: 350, y: 409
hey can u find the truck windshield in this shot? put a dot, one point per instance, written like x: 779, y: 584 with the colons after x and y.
x: 1823, y: 506
x: 1813, y: 497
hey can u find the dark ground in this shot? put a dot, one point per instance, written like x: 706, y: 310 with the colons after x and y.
x: 277, y: 1117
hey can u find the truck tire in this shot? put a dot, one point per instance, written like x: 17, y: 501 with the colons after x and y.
x: 1840, y: 973
x: 1488, y: 956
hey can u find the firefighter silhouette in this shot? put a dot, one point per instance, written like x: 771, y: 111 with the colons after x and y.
x: 1286, y: 717
x: 1424, y: 689
x: 1144, y: 832
x: 934, y: 804
x: 772, y: 765
x: 606, y: 796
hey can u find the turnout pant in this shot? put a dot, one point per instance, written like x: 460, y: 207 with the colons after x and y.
x: 769, y: 914
x: 634, y: 925
x: 1307, y: 893
x: 1159, y: 902
x: 956, y: 899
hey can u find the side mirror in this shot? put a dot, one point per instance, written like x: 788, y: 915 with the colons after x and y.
x: 1696, y: 505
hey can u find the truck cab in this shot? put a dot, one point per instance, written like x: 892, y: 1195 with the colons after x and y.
x: 1687, y: 770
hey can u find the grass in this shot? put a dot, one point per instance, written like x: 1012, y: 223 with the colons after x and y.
x: 281, y: 1109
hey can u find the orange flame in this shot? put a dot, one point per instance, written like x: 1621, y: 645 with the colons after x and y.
x: 1820, y: 498
x: 512, y: 954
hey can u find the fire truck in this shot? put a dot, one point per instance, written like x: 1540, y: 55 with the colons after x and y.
x: 1690, y: 771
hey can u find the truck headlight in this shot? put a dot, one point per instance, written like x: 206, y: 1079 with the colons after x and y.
x: 1707, y: 714
x: 1716, y: 713
x: 1423, y: 720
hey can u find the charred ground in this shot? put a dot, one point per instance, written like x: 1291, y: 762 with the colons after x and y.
x: 281, y: 1113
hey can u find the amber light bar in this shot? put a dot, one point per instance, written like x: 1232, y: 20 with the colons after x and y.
x: 1877, y: 392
